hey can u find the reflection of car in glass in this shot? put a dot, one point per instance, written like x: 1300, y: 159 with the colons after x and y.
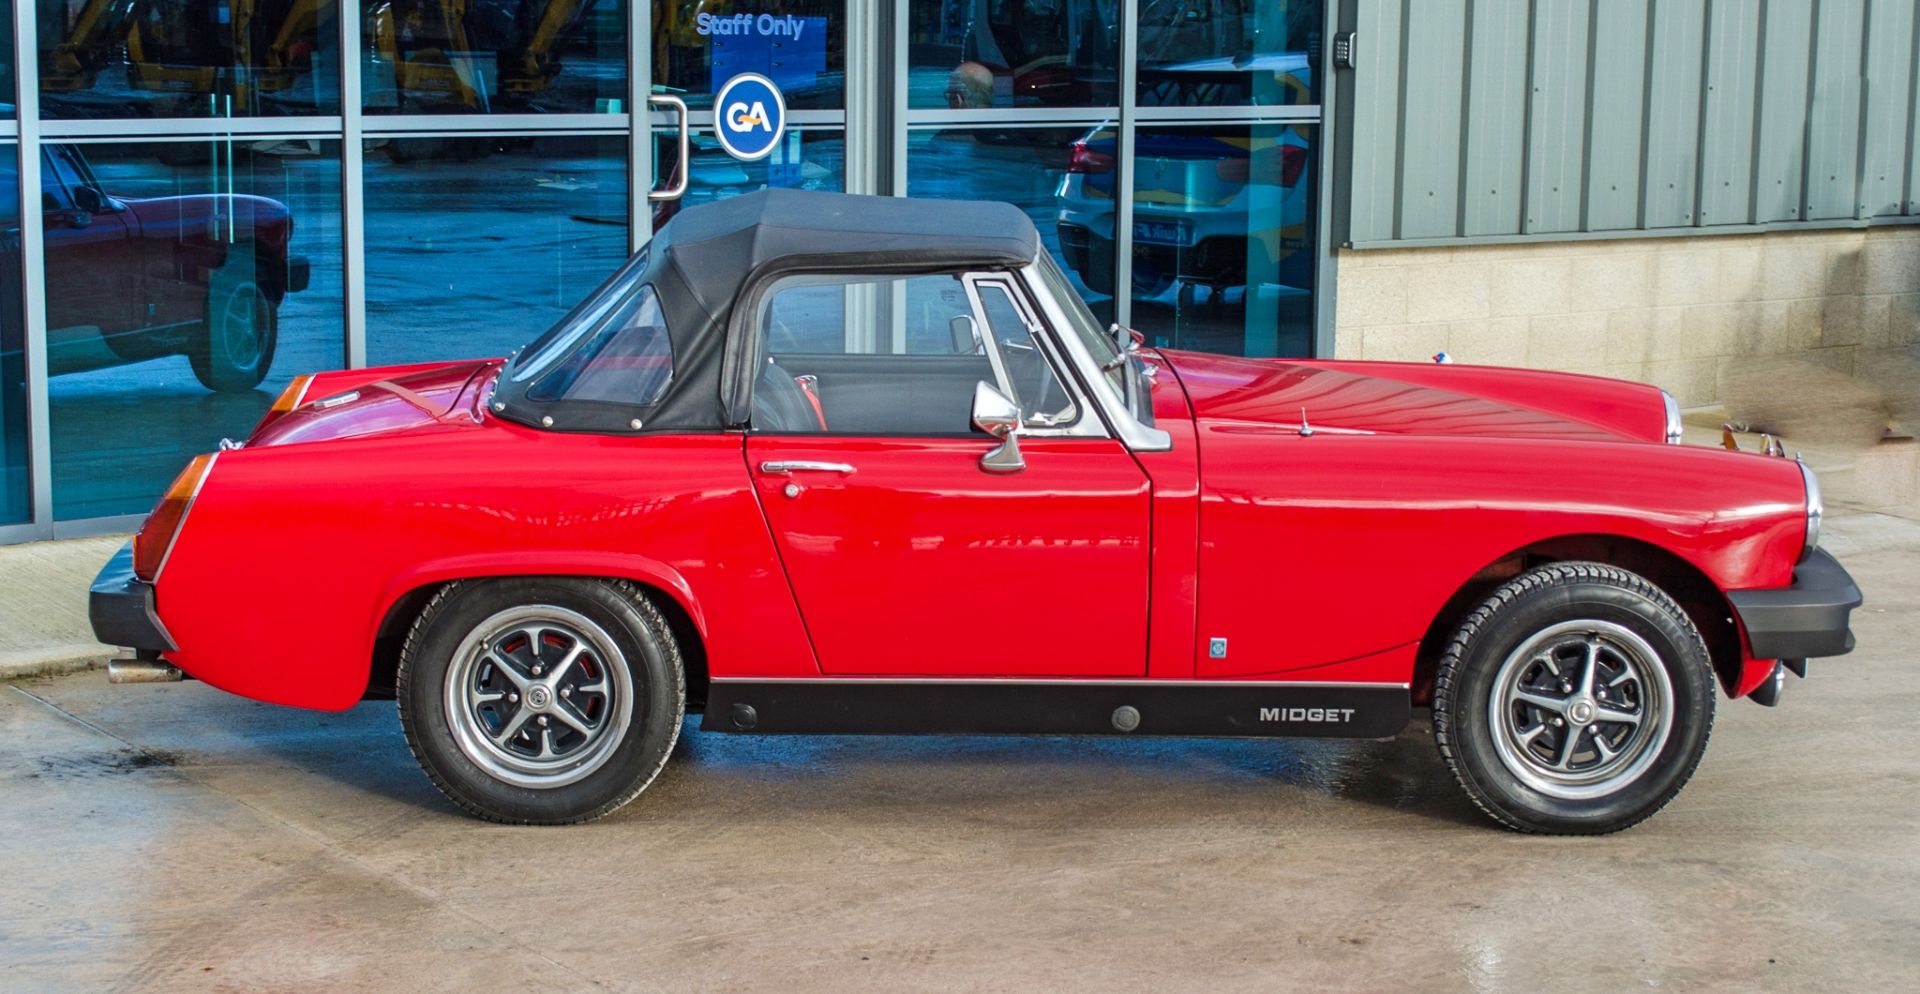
x: 1208, y: 210
x: 200, y: 275
x: 814, y: 463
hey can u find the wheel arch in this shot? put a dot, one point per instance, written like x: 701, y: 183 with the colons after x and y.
x: 1687, y: 584
x: 408, y: 595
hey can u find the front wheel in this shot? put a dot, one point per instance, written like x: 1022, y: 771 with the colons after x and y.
x: 541, y: 700
x: 1576, y: 700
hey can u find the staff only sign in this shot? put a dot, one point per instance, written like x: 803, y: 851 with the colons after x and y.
x: 768, y: 25
x: 749, y: 116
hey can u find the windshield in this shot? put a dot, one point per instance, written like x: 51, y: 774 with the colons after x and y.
x: 613, y: 349
x: 591, y: 313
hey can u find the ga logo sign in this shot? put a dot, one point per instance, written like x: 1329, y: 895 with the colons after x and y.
x: 749, y: 116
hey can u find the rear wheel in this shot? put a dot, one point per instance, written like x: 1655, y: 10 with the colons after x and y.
x: 541, y: 700
x: 1576, y: 700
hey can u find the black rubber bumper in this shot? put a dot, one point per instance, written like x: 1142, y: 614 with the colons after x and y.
x: 1806, y: 619
x: 120, y: 607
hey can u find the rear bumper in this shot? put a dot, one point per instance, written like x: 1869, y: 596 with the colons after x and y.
x: 120, y: 606
x: 1806, y: 619
x: 299, y: 273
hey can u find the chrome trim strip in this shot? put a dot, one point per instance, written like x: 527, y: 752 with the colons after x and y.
x: 1676, y: 430
x: 1060, y: 681
x: 1816, y: 508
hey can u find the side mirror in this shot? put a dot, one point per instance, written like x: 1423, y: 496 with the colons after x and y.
x: 966, y: 340
x: 996, y: 414
x: 89, y: 199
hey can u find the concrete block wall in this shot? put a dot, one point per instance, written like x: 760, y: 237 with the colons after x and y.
x: 1669, y: 311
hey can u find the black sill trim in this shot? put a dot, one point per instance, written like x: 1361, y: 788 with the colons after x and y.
x: 830, y: 706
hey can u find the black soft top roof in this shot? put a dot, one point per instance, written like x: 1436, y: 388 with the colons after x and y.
x: 707, y: 257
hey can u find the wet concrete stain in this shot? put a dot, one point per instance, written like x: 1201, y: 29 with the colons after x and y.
x: 120, y: 762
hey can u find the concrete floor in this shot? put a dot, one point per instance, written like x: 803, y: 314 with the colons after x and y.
x: 166, y: 838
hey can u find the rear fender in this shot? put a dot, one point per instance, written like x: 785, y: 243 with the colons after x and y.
x: 639, y: 569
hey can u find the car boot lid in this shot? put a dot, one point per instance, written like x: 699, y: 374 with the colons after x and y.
x: 448, y: 394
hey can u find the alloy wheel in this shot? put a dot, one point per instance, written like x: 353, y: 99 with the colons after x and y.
x: 538, y: 696
x: 1581, y: 709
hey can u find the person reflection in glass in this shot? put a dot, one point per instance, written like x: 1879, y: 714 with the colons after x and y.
x: 969, y: 86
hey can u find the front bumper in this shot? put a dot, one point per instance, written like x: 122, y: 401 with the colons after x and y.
x: 1807, y: 618
x: 120, y: 606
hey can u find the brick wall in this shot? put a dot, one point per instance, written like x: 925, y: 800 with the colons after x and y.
x: 1668, y: 311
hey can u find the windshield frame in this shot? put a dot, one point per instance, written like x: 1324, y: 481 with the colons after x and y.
x: 1126, y: 399
x: 568, y: 333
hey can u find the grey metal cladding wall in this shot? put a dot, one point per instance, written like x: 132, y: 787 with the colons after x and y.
x: 1496, y: 120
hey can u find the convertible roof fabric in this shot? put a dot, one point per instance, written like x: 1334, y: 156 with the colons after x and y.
x: 708, y: 259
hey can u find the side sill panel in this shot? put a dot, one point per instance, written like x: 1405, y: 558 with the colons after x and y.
x: 1234, y: 708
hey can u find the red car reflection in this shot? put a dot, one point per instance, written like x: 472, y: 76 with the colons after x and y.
x: 200, y: 275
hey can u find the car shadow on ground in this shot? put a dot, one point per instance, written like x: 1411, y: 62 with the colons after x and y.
x: 885, y: 779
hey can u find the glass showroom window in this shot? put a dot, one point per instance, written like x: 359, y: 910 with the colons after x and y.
x: 976, y: 54
x: 186, y: 283
x: 498, y: 57
x: 475, y: 244
x: 1223, y: 237
x: 1217, y: 53
x: 799, y: 44
x: 220, y: 58
x: 14, y: 486
x: 1062, y: 177
x: 807, y: 158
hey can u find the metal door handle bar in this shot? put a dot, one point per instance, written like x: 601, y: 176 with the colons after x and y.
x: 679, y: 107
x: 789, y: 467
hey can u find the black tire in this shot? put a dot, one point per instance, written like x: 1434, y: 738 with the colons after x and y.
x: 621, y: 764
x: 1520, y: 646
x: 233, y: 348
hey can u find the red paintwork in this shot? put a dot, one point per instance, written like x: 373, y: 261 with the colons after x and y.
x: 1318, y: 558
x: 899, y: 567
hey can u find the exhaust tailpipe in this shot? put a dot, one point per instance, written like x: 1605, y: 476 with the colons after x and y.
x: 142, y: 671
x: 1770, y: 689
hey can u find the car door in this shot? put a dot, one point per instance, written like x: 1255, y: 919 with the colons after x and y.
x: 93, y: 286
x: 906, y: 555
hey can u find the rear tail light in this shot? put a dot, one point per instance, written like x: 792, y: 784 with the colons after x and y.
x: 1293, y: 161
x: 1086, y: 160
x: 1280, y: 165
x: 155, y: 538
x: 290, y: 398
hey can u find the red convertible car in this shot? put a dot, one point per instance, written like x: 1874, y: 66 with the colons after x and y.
x: 814, y: 463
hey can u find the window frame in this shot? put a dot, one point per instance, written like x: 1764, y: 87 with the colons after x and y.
x: 1083, y: 424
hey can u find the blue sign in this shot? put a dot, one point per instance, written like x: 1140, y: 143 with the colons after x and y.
x: 749, y: 116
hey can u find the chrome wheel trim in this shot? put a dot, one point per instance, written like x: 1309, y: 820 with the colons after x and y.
x: 240, y: 323
x: 1581, y: 709
x: 538, y: 696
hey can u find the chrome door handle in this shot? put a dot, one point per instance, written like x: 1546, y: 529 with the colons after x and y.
x: 679, y: 107
x: 792, y: 466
